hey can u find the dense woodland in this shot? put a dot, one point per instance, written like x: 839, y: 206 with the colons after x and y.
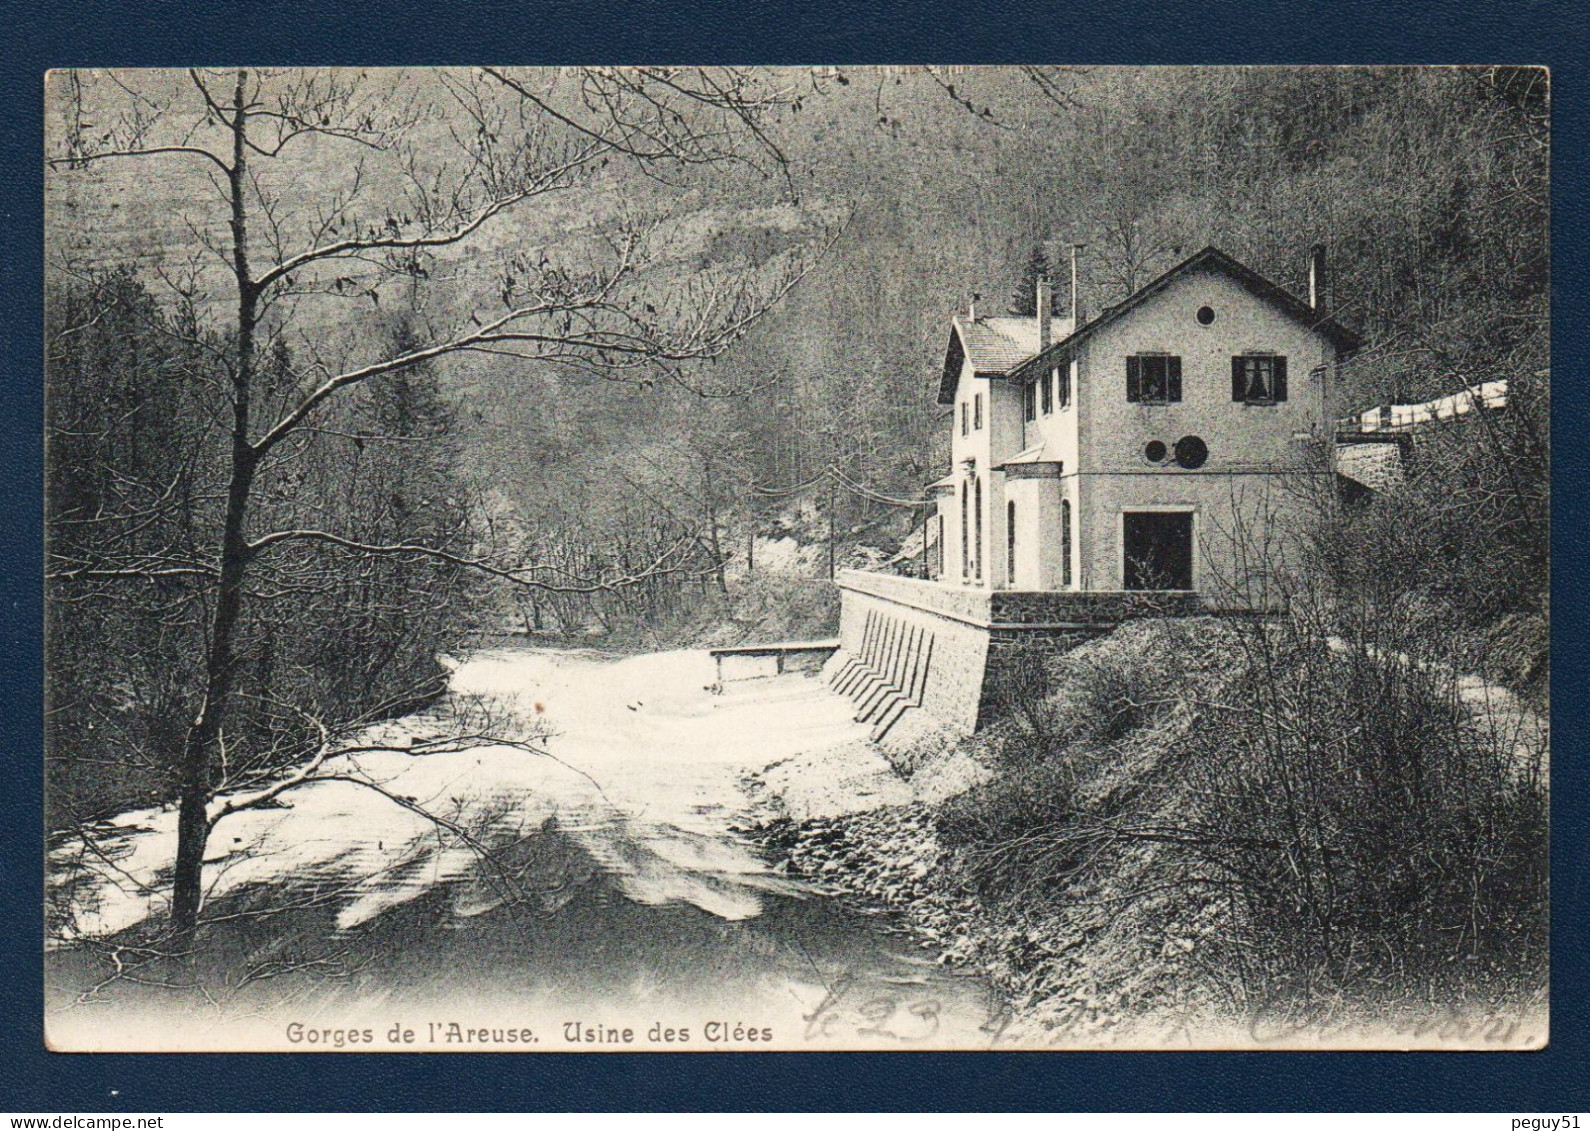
x: 564, y: 344
x: 134, y: 451
x: 1428, y: 187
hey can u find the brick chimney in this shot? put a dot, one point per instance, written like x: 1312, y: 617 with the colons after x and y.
x: 971, y: 308
x: 1043, y: 314
x: 1318, y: 292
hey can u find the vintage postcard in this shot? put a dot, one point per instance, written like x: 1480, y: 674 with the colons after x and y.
x: 824, y: 558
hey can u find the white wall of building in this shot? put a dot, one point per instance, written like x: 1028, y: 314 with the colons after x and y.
x: 999, y: 438
x: 1249, y: 495
x: 1246, y: 499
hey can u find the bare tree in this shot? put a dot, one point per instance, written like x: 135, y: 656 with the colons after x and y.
x: 338, y: 188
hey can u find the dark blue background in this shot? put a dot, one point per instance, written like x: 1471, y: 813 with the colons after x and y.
x: 157, y: 32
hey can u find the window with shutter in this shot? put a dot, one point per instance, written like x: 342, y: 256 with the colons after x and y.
x: 1062, y: 385
x: 1153, y: 378
x: 1048, y: 395
x: 1010, y: 545
x: 1258, y: 378
x: 977, y: 412
x: 1029, y: 401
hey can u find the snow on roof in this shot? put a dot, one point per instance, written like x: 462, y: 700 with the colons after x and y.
x: 1403, y: 417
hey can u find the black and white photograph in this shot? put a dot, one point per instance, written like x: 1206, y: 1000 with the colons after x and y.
x: 772, y: 558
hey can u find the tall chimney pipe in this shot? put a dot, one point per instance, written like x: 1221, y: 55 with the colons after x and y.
x: 1076, y: 299
x: 1043, y: 302
x: 971, y: 309
x: 1318, y: 295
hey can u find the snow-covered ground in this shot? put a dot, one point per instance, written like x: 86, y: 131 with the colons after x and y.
x: 623, y: 844
x: 645, y: 777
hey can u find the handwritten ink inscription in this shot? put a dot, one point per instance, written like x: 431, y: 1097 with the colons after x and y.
x: 849, y: 1010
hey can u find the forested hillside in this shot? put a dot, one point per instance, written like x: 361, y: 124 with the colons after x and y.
x: 800, y: 264
x: 1427, y: 186
x: 1329, y: 822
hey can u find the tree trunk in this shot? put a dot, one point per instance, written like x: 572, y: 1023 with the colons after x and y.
x: 712, y: 534
x: 193, y: 826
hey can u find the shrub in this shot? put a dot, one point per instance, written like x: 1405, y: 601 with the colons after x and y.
x: 1101, y: 692
x: 1063, y: 720
x: 1002, y: 829
x: 1334, y: 802
x: 1368, y: 831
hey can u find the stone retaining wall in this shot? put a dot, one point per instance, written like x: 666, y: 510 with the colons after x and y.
x: 998, y: 608
x: 890, y: 625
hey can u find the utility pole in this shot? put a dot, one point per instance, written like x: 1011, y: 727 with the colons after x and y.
x: 831, y: 524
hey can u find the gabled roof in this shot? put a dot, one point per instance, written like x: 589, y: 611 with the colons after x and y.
x: 994, y: 346
x: 997, y: 345
x: 1210, y: 258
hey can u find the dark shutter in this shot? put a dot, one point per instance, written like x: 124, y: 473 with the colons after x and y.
x: 1280, y: 379
x: 1065, y: 543
x: 1239, y: 387
x: 1134, y: 379
x: 1173, y: 379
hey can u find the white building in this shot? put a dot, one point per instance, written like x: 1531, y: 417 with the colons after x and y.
x: 1155, y: 447
x: 1150, y: 461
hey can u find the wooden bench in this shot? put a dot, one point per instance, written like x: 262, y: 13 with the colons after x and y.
x: 762, y: 661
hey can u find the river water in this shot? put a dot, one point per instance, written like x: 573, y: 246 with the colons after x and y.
x: 621, y: 906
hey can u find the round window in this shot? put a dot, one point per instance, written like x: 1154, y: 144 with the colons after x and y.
x: 1191, y: 452
x: 1154, y: 451
x: 1206, y: 315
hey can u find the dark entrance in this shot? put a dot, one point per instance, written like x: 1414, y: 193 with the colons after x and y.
x: 1158, y: 548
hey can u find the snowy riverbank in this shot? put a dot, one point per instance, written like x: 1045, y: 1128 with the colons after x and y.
x: 622, y: 889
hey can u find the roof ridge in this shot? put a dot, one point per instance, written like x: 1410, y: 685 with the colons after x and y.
x: 1256, y: 283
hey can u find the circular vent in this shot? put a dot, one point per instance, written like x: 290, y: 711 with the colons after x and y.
x: 1154, y: 451
x: 1206, y: 315
x: 1191, y: 452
